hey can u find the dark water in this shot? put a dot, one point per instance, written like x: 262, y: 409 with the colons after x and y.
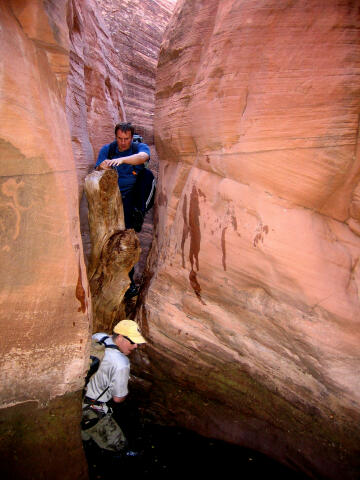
x: 168, y: 452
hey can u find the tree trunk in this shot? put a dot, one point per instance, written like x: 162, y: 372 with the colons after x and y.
x: 114, y: 250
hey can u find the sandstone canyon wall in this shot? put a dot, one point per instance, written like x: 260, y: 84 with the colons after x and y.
x: 45, y: 309
x: 94, y: 100
x: 137, y: 28
x: 252, y: 309
x: 114, y: 48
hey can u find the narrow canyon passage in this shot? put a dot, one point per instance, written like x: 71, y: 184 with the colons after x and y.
x: 249, y: 273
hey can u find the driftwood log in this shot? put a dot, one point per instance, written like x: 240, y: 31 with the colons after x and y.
x: 114, y: 250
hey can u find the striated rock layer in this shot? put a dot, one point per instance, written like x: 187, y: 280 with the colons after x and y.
x: 114, y: 49
x: 94, y: 96
x: 45, y: 312
x: 137, y: 28
x: 252, y: 309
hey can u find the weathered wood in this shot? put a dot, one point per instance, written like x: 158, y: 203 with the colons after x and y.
x: 114, y: 250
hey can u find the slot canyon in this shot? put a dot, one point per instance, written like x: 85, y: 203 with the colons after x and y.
x: 249, y: 269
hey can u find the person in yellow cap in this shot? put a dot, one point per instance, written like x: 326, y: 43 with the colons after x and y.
x: 110, y: 382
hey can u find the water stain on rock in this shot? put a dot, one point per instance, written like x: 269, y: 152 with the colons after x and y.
x: 80, y: 293
x: 185, y: 230
x: 161, y: 199
x: 195, y: 285
x: 202, y: 194
x: 234, y: 222
x: 194, y: 226
x: 223, y: 248
x: 259, y: 237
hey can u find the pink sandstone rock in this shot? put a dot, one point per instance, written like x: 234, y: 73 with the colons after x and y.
x: 94, y: 100
x: 252, y: 308
x: 44, y: 297
x: 137, y: 28
x: 94, y: 88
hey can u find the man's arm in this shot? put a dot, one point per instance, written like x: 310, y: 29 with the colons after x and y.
x: 118, y: 399
x: 101, y: 161
x: 136, y: 159
x: 119, y: 383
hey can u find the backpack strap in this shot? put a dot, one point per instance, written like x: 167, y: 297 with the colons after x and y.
x: 112, y: 150
x: 151, y: 195
x: 102, y: 341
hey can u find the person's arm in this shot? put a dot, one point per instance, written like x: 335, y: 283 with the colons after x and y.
x: 119, y: 385
x: 118, y: 399
x: 136, y: 159
x: 101, y: 161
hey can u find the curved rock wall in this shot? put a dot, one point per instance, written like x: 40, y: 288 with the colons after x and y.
x: 94, y: 100
x: 137, y: 28
x: 94, y: 89
x: 45, y: 309
x: 253, y: 300
x: 44, y: 289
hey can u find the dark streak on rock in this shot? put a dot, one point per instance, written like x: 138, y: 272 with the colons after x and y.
x: 257, y: 239
x: 195, y: 285
x: 161, y: 199
x: 194, y: 226
x: 234, y: 222
x: 202, y: 194
x: 266, y: 229
x: 223, y: 248
x: 80, y: 293
x: 185, y: 230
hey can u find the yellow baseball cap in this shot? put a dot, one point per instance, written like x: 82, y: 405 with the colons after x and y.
x: 130, y: 329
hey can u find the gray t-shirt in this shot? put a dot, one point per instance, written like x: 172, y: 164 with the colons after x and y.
x: 114, y: 370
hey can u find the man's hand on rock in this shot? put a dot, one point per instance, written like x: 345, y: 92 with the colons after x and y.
x: 104, y: 165
x: 114, y: 163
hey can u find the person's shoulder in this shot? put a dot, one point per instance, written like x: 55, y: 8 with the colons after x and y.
x: 143, y: 147
x: 122, y: 360
x: 99, y: 336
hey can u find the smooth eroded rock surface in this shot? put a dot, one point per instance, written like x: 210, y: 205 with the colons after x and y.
x: 94, y: 87
x: 45, y: 312
x: 253, y: 301
x: 94, y: 95
x: 137, y: 28
x: 42, y: 442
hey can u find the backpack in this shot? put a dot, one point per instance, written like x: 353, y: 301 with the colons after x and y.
x: 96, y: 355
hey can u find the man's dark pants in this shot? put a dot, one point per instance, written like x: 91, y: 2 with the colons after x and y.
x: 128, y: 206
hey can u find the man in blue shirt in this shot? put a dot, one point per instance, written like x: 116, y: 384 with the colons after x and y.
x: 128, y: 158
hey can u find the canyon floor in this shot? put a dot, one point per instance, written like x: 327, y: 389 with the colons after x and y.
x: 160, y: 451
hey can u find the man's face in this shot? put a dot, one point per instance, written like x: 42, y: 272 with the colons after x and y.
x: 127, y: 347
x: 123, y: 140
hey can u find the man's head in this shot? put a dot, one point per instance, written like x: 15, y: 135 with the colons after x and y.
x: 127, y: 336
x: 124, y: 133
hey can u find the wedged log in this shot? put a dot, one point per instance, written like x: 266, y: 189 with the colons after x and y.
x: 114, y: 250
